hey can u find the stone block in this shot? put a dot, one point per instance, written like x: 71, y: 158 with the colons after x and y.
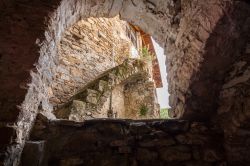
x: 92, y: 99
x: 76, y: 72
x: 176, y: 153
x: 78, y: 110
x: 139, y: 128
x: 102, y: 85
x: 92, y: 96
x: 157, y: 142
x: 146, y: 155
x: 78, y: 106
x: 125, y: 149
x: 172, y: 126
x: 211, y: 155
x: 33, y: 153
x: 118, y: 143
x: 194, y: 139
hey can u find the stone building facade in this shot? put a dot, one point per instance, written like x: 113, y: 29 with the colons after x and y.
x: 86, y: 51
x: 91, y: 48
x: 125, y: 91
x: 139, y: 97
x: 206, y: 46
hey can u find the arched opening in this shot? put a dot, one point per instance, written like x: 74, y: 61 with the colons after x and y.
x: 190, y: 32
x: 106, y: 68
x: 46, y: 37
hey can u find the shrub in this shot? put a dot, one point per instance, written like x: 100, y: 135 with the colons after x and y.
x: 164, y: 113
x: 145, y: 54
x: 144, y: 110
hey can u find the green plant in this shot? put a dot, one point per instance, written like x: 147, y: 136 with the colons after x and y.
x: 140, y: 64
x: 145, y: 54
x: 117, y: 72
x: 164, y: 113
x: 143, y: 110
x: 121, y: 71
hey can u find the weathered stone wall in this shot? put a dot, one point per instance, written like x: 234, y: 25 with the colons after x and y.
x: 235, y: 97
x: 128, y: 143
x: 234, y: 111
x: 131, y: 86
x: 235, y: 93
x: 201, y: 39
x: 86, y: 51
x: 140, y: 100
x: 202, y: 52
x: 22, y: 32
x: 118, y: 105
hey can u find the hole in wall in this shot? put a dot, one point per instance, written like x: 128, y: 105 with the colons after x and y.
x: 109, y: 69
x: 162, y: 92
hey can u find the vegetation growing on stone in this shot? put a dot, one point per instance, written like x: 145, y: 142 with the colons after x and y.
x: 144, y: 110
x: 145, y: 54
x: 164, y: 113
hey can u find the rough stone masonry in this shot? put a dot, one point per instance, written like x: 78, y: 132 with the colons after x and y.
x: 206, y: 47
x: 123, y: 142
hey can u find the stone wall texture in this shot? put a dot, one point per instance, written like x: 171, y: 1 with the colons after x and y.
x: 207, y: 51
x: 203, y: 41
x: 132, y: 88
x: 234, y: 96
x: 140, y: 100
x: 86, y: 51
x: 126, y: 143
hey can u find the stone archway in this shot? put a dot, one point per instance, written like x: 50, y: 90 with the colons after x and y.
x: 187, y: 30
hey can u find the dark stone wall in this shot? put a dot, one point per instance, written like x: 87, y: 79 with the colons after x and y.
x: 21, y: 24
x: 202, y: 39
x: 125, y: 142
x: 224, y: 46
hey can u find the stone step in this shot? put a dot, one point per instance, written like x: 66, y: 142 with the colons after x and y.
x: 102, y: 85
x: 92, y: 96
x: 96, y: 93
x: 81, y: 111
x: 78, y: 106
x: 77, y: 110
x: 111, y: 76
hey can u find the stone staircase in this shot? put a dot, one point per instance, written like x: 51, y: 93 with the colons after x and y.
x: 88, y: 103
